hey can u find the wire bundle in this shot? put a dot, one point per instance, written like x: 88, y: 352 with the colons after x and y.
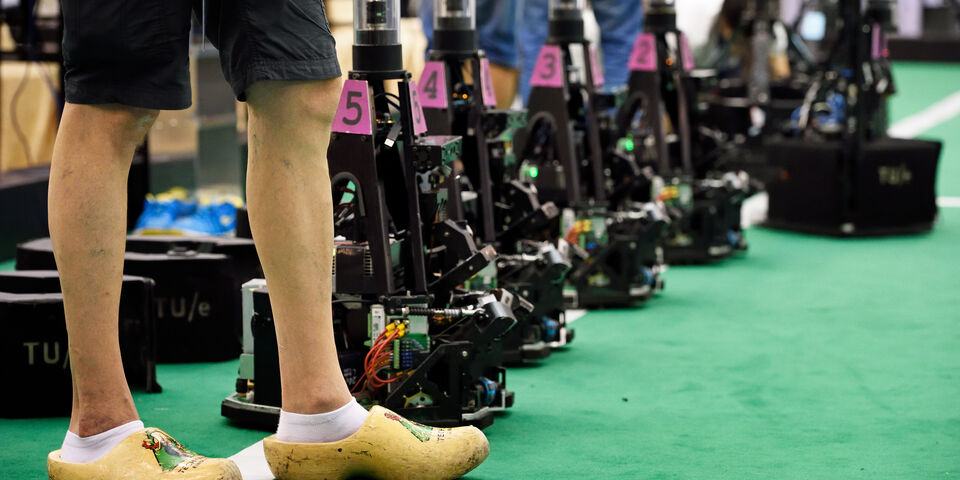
x: 379, y: 357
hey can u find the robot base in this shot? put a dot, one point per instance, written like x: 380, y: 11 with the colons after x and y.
x: 850, y: 230
x: 695, y: 255
x: 891, y: 192
x: 589, y: 297
x: 565, y: 336
x: 527, y: 352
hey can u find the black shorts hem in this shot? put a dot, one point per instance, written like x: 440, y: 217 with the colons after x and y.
x: 285, y: 70
x: 104, y: 93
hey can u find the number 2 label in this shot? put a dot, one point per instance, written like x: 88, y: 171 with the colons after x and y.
x: 353, y: 114
x: 878, y: 45
x: 644, y: 55
x: 688, y: 62
x: 549, y: 69
x: 433, y: 90
x: 596, y: 68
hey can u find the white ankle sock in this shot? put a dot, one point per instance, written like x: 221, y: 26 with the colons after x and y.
x: 322, y: 427
x: 78, y: 449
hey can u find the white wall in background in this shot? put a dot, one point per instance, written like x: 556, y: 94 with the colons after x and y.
x: 695, y: 17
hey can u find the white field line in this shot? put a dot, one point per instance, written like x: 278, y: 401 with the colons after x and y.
x: 574, y: 315
x: 916, y: 124
x: 948, y: 202
x: 252, y: 463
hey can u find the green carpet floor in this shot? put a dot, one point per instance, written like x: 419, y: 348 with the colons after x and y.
x: 809, y: 358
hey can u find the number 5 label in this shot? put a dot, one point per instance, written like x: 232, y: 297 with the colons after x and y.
x: 644, y: 55
x: 549, y: 69
x: 353, y: 114
x: 419, y: 123
x: 433, y: 89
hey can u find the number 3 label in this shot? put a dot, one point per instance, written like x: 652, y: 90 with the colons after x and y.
x: 353, y: 114
x: 549, y: 69
x: 433, y: 90
x: 644, y: 55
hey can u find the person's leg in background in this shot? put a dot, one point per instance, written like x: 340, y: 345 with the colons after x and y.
x: 426, y: 18
x: 620, y: 22
x: 535, y: 21
x: 497, y: 25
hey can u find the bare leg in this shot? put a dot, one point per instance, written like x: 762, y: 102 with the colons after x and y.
x: 505, y: 83
x: 88, y: 199
x: 291, y: 216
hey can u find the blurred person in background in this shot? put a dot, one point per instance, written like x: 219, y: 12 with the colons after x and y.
x: 497, y: 25
x: 511, y: 32
x: 620, y: 22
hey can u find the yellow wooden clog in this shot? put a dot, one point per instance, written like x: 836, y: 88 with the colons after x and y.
x: 387, y: 447
x: 148, y: 454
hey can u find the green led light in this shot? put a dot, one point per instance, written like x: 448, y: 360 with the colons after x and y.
x: 629, y: 145
x: 533, y: 172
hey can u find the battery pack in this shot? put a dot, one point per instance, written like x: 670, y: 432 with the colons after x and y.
x: 34, y: 346
x: 197, y: 300
x: 892, y: 190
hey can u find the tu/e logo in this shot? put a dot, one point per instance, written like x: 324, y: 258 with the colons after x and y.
x: 894, y: 175
x: 46, y: 353
x: 182, y: 307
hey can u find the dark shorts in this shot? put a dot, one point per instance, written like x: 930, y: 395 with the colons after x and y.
x: 136, y: 52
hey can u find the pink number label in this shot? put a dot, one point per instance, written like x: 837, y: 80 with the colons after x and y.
x: 486, y: 80
x: 644, y: 55
x: 598, y: 78
x: 419, y: 122
x: 688, y: 62
x: 878, y: 50
x: 549, y: 69
x: 353, y: 114
x: 433, y: 90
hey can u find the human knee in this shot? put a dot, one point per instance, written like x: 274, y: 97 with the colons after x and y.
x: 129, y: 124
x: 308, y: 102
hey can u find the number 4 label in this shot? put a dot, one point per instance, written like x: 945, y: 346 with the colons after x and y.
x: 433, y: 86
x: 353, y: 114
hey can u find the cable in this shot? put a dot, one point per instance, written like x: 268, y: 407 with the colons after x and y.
x: 14, y: 117
x: 18, y: 93
x: 375, y: 360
